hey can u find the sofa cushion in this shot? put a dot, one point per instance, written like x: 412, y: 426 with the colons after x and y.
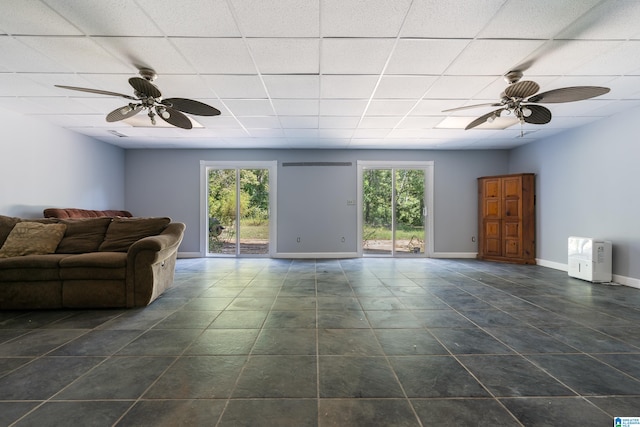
x: 30, y: 268
x: 6, y: 225
x: 35, y: 238
x: 83, y: 235
x: 123, y: 232
x: 97, y: 266
x: 82, y: 213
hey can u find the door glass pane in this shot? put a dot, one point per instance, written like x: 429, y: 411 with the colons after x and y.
x: 377, y: 212
x: 409, y: 212
x: 254, y: 211
x: 222, y: 211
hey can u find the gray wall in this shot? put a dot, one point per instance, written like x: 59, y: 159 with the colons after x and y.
x: 45, y: 166
x: 587, y: 185
x: 311, y: 200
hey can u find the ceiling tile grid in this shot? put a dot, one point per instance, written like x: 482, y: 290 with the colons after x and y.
x: 318, y: 73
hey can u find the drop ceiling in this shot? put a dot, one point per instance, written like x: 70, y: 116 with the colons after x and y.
x: 317, y: 73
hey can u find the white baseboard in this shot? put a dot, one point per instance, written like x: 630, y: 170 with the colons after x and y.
x: 309, y: 255
x: 454, y: 255
x: 552, y: 264
x: 189, y: 255
x: 617, y: 279
x: 627, y: 281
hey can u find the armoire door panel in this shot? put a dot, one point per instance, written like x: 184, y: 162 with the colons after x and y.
x: 512, y: 187
x: 512, y: 208
x: 492, y: 208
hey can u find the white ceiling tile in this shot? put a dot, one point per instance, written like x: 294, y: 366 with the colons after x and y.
x: 616, y: 20
x: 403, y: 86
x: 416, y: 122
x: 193, y: 19
x: 183, y: 86
x: 564, y: 56
x: 125, y: 18
x: 216, y: 55
x: 300, y: 107
x: 219, y: 122
x: 286, y: 55
x: 444, y: 19
x: 347, y: 86
x: 424, y: 56
x: 492, y: 57
x: 584, y: 108
x: 33, y: 17
x: 266, y: 133
x: 535, y: 20
x: 458, y: 87
x: 371, y: 133
x: 18, y: 85
x: 78, y: 54
x: 299, y: 122
x: 249, y: 107
x: 390, y: 107
x: 342, y: 107
x: 266, y: 122
x: 149, y: 52
x: 301, y: 133
x: 623, y: 59
x: 430, y: 107
x: 236, y: 86
x: 338, y: 122
x: 283, y: 18
x: 354, y: 56
x: 623, y: 86
x: 292, y: 86
x: 335, y: 133
x: 18, y: 56
x: 362, y: 18
x: 379, y: 122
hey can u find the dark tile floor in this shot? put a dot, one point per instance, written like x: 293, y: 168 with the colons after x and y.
x: 358, y: 342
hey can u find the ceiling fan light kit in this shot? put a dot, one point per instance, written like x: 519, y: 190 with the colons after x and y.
x: 148, y: 97
x: 520, y: 98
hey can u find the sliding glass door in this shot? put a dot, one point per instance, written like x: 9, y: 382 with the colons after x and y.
x: 238, y: 210
x: 394, y: 207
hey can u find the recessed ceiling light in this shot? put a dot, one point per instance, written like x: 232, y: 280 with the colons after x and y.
x: 143, y: 121
x: 462, y: 122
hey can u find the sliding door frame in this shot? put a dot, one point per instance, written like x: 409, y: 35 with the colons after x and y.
x: 205, y: 165
x: 427, y: 166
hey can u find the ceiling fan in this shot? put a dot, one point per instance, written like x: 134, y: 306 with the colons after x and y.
x: 520, y: 100
x: 148, y: 97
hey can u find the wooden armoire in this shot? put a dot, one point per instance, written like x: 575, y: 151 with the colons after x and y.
x: 507, y: 223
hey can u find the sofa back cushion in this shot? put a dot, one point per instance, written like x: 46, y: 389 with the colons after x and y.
x: 32, y: 238
x: 123, y: 232
x: 82, y: 213
x: 6, y: 225
x: 83, y: 235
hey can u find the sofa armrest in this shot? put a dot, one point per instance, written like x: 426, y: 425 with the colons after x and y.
x: 151, y: 265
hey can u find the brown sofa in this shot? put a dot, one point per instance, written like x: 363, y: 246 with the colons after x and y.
x: 86, y: 263
x: 82, y: 213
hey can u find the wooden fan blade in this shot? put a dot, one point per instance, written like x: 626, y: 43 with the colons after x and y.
x: 522, y: 89
x: 569, y: 94
x: 123, y: 113
x: 539, y: 115
x: 145, y: 87
x: 190, y: 106
x: 467, y: 107
x: 98, y: 91
x: 176, y: 118
x: 482, y: 119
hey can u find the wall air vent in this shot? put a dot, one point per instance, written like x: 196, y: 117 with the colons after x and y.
x: 118, y: 134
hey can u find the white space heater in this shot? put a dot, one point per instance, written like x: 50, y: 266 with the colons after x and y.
x: 590, y: 259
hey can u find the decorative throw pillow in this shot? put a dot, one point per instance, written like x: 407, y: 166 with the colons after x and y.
x: 124, y: 232
x: 32, y: 238
x: 6, y: 225
x: 83, y: 235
